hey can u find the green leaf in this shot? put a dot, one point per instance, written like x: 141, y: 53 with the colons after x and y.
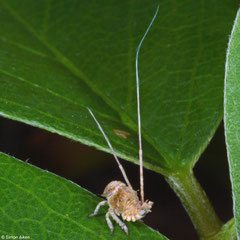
x: 59, y: 57
x: 227, y: 232
x: 41, y: 205
x: 232, y: 116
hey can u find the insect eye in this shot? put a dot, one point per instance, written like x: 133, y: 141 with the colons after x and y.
x: 142, y: 212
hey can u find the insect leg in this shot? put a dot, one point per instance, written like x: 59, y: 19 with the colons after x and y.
x: 109, y: 221
x: 118, y: 221
x: 97, y: 208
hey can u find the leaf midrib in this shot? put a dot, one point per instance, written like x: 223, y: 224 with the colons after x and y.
x: 193, y: 74
x: 56, y: 94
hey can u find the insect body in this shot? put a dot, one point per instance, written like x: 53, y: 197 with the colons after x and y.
x: 121, y: 133
x: 121, y: 198
x: 124, y: 201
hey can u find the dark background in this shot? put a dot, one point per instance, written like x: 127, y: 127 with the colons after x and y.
x: 93, y: 170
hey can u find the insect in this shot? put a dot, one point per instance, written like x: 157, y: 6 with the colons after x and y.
x: 121, y: 198
x: 121, y: 133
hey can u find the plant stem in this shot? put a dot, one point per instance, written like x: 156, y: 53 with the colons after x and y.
x: 195, y: 203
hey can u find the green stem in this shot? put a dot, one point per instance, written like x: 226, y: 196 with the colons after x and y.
x: 196, y: 203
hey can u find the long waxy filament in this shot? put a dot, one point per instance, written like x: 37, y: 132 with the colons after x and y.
x: 139, y: 115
